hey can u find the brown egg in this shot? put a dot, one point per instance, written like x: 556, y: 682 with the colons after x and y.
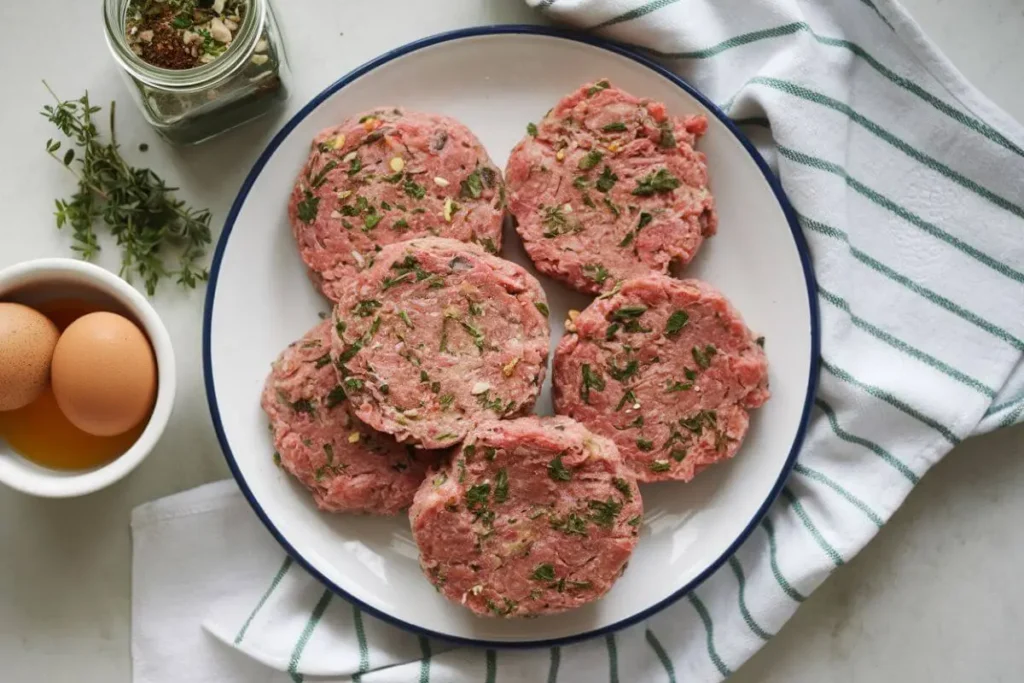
x: 104, y: 374
x: 27, y: 339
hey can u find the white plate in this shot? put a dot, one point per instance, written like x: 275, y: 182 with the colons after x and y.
x: 496, y: 80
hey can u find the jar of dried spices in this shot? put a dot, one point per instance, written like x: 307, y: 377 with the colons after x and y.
x: 197, y: 68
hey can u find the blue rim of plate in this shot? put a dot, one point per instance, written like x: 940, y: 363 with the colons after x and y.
x: 501, y: 29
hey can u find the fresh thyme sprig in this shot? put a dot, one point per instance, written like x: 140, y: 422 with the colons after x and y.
x: 149, y: 223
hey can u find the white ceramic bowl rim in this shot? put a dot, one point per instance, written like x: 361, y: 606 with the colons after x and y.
x: 18, y: 473
x: 282, y: 135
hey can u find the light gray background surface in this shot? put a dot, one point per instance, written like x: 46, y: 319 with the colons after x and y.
x: 935, y: 597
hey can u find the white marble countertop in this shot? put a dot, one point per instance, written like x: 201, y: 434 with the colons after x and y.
x: 934, y: 597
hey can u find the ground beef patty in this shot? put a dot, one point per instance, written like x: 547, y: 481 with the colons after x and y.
x: 388, y: 176
x: 608, y: 187
x: 439, y: 335
x: 666, y: 369
x: 532, y: 516
x: 347, y: 466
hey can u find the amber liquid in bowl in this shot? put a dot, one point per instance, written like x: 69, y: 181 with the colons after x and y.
x: 41, y: 433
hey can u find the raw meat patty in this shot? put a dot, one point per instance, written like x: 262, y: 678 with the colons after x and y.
x: 346, y: 465
x: 666, y: 369
x: 438, y: 335
x: 532, y: 516
x: 388, y: 176
x: 608, y: 186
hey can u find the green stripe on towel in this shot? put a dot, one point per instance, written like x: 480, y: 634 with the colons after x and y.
x: 285, y: 566
x: 613, y: 658
x: 425, y: 660
x: 878, y: 131
x: 878, y: 393
x: 737, y: 569
x: 556, y: 660
x: 885, y: 455
x: 963, y: 118
x: 307, y: 632
x: 907, y: 215
x: 663, y: 657
x: 709, y: 628
x: 853, y: 500
x: 647, y: 8
x: 928, y: 294
x: 774, y: 560
x: 833, y: 554
x: 880, y: 334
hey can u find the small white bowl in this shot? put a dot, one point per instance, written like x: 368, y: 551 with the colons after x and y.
x: 67, y: 278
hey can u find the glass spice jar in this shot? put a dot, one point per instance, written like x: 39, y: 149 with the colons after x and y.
x: 188, y: 106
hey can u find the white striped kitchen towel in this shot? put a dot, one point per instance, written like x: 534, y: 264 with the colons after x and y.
x: 909, y: 186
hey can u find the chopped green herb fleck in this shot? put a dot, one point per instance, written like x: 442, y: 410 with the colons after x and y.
x: 606, y: 181
x: 446, y: 401
x: 635, y: 521
x: 596, y: 272
x: 355, y: 165
x: 696, y: 422
x: 308, y: 207
x: 304, y: 405
x: 676, y: 322
x: 630, y: 369
x: 366, y: 307
x: 478, y: 336
x: 491, y: 453
x: 612, y: 206
x: 531, y: 129
x: 590, y: 160
x: 405, y: 319
x: 760, y: 342
x: 653, y: 183
x: 371, y: 221
x: 614, y: 127
x: 591, y: 380
x: 400, y: 225
x: 573, y: 524
x: 322, y: 361
x: 556, y: 223
x: 623, y: 486
x: 320, y: 178
x: 624, y: 313
x: 597, y: 87
x: 703, y: 356
x: 668, y: 138
x: 543, y: 572
x: 477, y: 497
x: 542, y: 307
x: 604, y: 513
x: 472, y: 187
x: 672, y: 387
x: 646, y: 445
x: 580, y: 183
x: 628, y: 398
x: 353, y: 384
x: 336, y: 396
x: 557, y: 471
x: 414, y: 190
x: 645, y: 219
x: 277, y: 458
x: 660, y: 466
x: 501, y: 486
x: 677, y: 454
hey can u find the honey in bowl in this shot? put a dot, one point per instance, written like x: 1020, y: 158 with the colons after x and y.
x: 42, y: 433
